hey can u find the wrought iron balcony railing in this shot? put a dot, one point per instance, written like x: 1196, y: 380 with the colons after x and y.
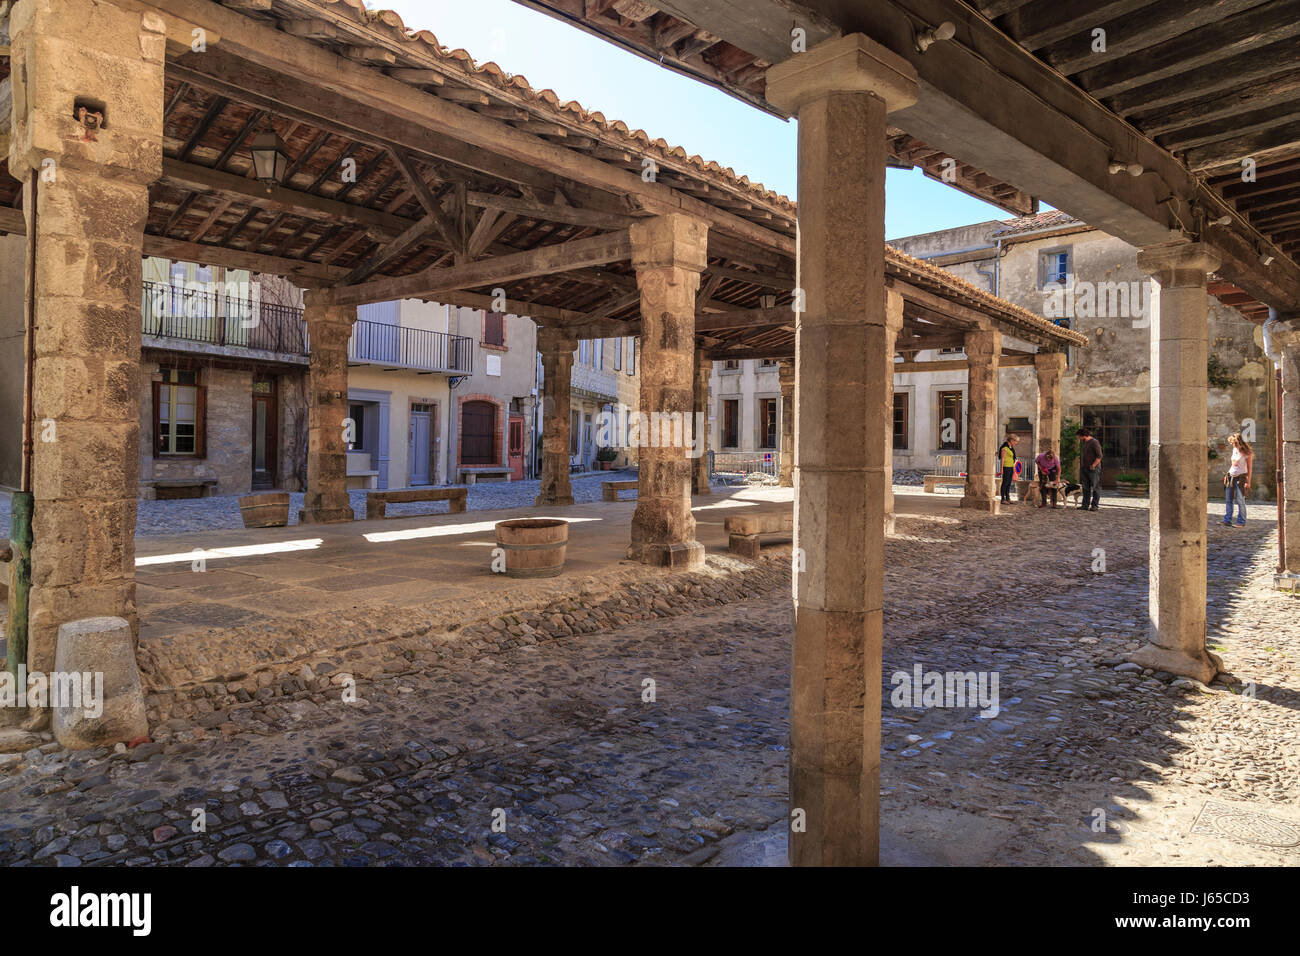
x: 212, y: 318
x: 380, y: 343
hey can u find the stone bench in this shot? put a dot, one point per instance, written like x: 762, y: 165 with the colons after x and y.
x: 203, y: 487
x: 744, y: 531
x: 471, y: 475
x: 377, y: 502
x: 609, y: 489
x: 933, y: 481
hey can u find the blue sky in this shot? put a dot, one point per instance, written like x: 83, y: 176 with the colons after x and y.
x: 685, y: 112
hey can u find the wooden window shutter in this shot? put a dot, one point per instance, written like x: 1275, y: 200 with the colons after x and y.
x: 157, y: 424
x: 201, y: 421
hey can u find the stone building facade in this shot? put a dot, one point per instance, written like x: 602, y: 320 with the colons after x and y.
x: 746, y: 413
x: 1108, y: 298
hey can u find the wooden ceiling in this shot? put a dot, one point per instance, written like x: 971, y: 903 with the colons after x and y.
x: 647, y: 29
x: 409, y: 161
x: 1215, y: 83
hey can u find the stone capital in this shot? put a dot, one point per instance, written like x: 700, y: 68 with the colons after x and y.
x: 551, y: 339
x: 847, y: 64
x: 1178, y: 264
x: 672, y: 241
x: 1049, y: 363
x: 785, y: 373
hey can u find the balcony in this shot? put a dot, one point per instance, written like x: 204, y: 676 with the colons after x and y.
x: 193, y: 320
x: 393, y: 346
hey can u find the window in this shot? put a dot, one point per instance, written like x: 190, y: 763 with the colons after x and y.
x: 494, y: 329
x: 731, y: 365
x: 357, y: 414
x: 618, y: 355
x: 178, y: 414
x: 901, y: 423
x: 767, y: 415
x: 584, y: 351
x: 599, y: 354
x: 767, y: 363
x: 950, y: 421
x: 575, y: 423
x: 958, y: 350
x: 1054, y: 266
x: 731, y: 423
x: 631, y: 356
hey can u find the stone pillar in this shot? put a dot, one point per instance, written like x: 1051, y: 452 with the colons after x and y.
x: 1284, y: 331
x: 329, y: 327
x: 1049, y: 366
x: 557, y: 367
x: 1179, y: 497
x: 893, y: 325
x: 841, y: 91
x: 668, y: 253
x: 700, y: 465
x: 983, y: 470
x: 88, y: 185
x: 785, y: 374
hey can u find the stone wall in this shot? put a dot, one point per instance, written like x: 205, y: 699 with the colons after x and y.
x: 228, y: 426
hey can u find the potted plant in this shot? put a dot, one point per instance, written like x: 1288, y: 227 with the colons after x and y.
x: 1131, y: 484
x: 606, y: 455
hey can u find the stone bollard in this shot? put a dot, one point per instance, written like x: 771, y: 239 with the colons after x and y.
x: 103, y: 647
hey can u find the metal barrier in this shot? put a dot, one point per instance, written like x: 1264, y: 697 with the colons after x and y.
x: 745, y: 467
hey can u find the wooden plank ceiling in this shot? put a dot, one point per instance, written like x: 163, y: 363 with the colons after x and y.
x: 356, y: 206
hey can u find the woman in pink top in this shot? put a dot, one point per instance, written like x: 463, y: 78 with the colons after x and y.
x: 1049, y: 473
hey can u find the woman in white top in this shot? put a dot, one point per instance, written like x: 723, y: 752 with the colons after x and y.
x: 1237, y: 481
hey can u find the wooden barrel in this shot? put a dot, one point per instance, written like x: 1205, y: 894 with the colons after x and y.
x: 270, y: 510
x: 534, y: 547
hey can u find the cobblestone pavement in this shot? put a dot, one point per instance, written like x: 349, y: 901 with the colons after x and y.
x: 222, y: 511
x: 556, y: 736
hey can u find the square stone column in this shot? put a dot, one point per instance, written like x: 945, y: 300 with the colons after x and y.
x: 1284, y: 331
x: 841, y: 91
x: 982, y: 467
x: 893, y: 325
x: 557, y: 368
x: 86, y: 202
x: 329, y: 327
x: 1179, y: 497
x: 1049, y: 366
x: 785, y: 375
x: 668, y: 253
x: 700, y: 466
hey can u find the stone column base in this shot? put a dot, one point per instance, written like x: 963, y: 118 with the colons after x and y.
x: 1159, y: 658
x: 991, y: 505
x: 104, y: 646
x: 558, y: 501
x: 325, y: 516
x: 687, y: 555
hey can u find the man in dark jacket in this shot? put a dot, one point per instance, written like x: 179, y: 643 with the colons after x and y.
x: 1089, y: 468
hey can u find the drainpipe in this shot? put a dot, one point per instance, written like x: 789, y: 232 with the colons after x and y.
x: 1274, y: 352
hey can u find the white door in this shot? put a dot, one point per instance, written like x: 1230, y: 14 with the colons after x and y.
x: 419, y: 444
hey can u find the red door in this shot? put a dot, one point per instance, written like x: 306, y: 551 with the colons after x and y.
x: 516, y: 448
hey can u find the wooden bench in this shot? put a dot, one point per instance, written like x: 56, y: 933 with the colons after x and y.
x: 744, y: 531
x: 933, y: 481
x: 609, y: 489
x: 377, y: 502
x: 171, y: 487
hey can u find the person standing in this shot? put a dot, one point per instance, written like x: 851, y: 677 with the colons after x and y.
x: 1007, y: 456
x: 1237, y: 481
x: 1089, y: 468
x: 1049, y: 474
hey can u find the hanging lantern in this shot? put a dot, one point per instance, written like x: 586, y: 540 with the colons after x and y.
x: 270, y: 161
x: 767, y: 301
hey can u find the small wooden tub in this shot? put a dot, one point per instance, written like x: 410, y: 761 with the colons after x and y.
x: 534, y: 547
x: 270, y: 510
